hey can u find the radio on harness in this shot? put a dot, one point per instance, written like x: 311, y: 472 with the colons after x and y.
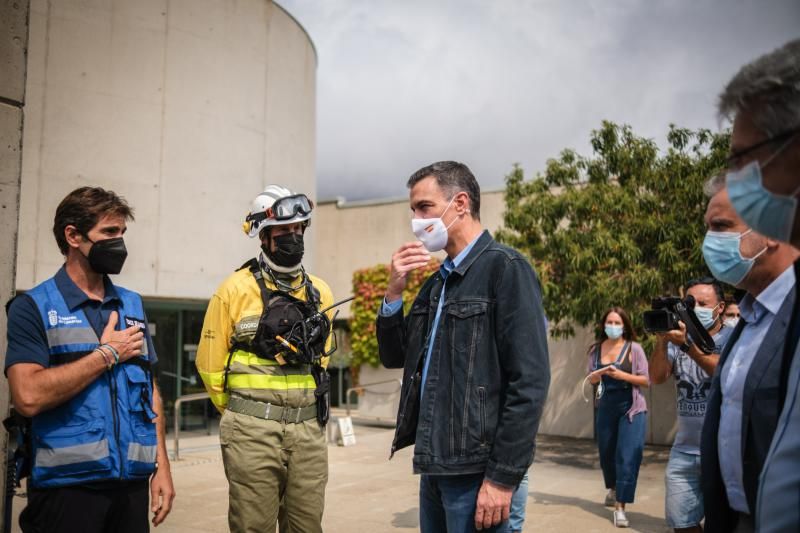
x: 292, y: 331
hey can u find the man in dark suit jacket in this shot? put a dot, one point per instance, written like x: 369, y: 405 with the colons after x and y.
x: 743, y: 409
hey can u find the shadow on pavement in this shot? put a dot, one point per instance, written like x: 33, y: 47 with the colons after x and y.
x: 639, y: 521
x: 407, y: 519
x: 582, y: 453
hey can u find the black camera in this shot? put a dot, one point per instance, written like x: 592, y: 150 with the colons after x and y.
x: 668, y: 310
x: 664, y: 315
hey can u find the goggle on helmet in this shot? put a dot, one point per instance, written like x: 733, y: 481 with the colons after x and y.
x: 286, y: 210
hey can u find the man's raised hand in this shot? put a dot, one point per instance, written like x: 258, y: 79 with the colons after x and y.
x: 410, y: 256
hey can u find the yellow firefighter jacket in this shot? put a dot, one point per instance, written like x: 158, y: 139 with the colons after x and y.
x: 232, y: 316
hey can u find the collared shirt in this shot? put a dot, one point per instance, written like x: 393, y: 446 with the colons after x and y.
x: 758, y: 313
x: 447, y: 267
x: 27, y: 338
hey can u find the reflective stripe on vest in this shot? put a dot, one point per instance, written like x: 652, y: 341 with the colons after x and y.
x: 80, y: 453
x: 248, y: 371
x: 143, y: 454
x: 60, y: 337
x: 106, y: 431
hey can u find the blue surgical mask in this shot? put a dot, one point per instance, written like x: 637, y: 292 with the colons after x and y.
x: 613, y: 332
x: 706, y: 316
x: 768, y: 213
x: 723, y: 256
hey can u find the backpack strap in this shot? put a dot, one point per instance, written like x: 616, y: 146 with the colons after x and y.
x: 255, y: 269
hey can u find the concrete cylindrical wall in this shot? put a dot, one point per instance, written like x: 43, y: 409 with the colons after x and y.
x: 187, y: 108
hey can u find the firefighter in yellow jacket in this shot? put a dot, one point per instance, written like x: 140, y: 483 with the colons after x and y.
x: 262, y: 357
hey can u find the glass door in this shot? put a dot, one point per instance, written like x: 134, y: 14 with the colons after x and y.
x: 175, y: 329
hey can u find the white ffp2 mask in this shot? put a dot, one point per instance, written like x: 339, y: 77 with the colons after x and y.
x: 431, y: 231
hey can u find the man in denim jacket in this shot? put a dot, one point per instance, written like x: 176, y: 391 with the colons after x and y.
x: 474, y: 351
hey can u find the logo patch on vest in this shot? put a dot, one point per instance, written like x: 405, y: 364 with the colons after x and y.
x: 54, y: 319
x: 246, y: 328
x: 135, y: 322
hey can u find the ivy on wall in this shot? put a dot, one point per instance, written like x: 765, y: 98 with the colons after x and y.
x: 369, y: 288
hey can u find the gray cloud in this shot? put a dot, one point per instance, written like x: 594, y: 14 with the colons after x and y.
x: 491, y: 83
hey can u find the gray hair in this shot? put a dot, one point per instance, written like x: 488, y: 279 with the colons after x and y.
x: 769, y: 89
x: 452, y: 177
x: 714, y: 184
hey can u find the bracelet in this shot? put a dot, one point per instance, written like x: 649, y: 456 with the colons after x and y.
x: 114, y: 352
x: 105, y: 357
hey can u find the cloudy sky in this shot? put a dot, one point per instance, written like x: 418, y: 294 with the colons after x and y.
x: 401, y: 84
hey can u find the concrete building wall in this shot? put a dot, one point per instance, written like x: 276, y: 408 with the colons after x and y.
x: 187, y: 108
x: 13, y: 65
x: 359, y: 235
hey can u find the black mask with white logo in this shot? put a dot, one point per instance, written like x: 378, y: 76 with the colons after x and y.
x: 107, y: 256
x: 288, y: 252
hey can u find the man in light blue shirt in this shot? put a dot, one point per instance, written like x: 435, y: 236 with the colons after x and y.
x: 742, y: 410
x: 763, y: 103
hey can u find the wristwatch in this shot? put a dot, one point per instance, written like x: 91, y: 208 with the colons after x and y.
x: 687, y: 345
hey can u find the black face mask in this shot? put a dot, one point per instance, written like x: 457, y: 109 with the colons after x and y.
x: 107, y: 256
x: 288, y: 250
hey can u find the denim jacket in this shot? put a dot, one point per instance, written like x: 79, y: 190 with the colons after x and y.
x: 489, y: 371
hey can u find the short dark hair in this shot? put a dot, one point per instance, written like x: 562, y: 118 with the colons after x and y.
x: 83, y: 207
x: 452, y: 177
x: 720, y: 292
x: 627, y: 326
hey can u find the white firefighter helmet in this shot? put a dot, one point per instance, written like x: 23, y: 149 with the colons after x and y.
x: 276, y: 206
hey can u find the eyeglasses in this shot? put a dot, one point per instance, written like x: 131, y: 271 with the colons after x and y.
x: 734, y: 158
x: 285, y: 209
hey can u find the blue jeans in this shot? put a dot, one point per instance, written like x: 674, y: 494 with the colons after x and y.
x: 620, y: 443
x: 447, y: 504
x: 518, y: 501
x: 684, y: 502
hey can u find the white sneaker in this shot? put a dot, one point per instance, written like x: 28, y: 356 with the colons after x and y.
x: 620, y: 520
x: 611, y: 498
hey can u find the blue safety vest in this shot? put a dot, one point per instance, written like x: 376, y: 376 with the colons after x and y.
x: 107, y: 431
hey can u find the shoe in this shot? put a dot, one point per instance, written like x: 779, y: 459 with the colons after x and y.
x: 611, y: 498
x: 620, y: 520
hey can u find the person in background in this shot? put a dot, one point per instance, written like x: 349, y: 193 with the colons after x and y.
x: 618, y: 366
x: 730, y: 317
x: 516, y: 517
x: 676, y: 355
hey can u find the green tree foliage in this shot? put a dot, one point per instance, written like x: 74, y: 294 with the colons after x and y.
x: 616, y: 228
x: 369, y: 288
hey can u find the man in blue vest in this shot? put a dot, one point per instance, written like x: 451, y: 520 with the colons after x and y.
x: 79, y: 366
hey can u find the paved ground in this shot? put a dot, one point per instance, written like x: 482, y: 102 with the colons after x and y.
x: 369, y: 493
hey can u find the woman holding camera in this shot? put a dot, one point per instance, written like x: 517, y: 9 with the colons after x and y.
x: 618, y: 368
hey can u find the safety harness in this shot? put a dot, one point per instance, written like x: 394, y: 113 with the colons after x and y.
x: 290, y: 331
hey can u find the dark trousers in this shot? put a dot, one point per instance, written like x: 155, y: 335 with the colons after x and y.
x: 447, y: 504
x: 620, y: 443
x: 114, y: 509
